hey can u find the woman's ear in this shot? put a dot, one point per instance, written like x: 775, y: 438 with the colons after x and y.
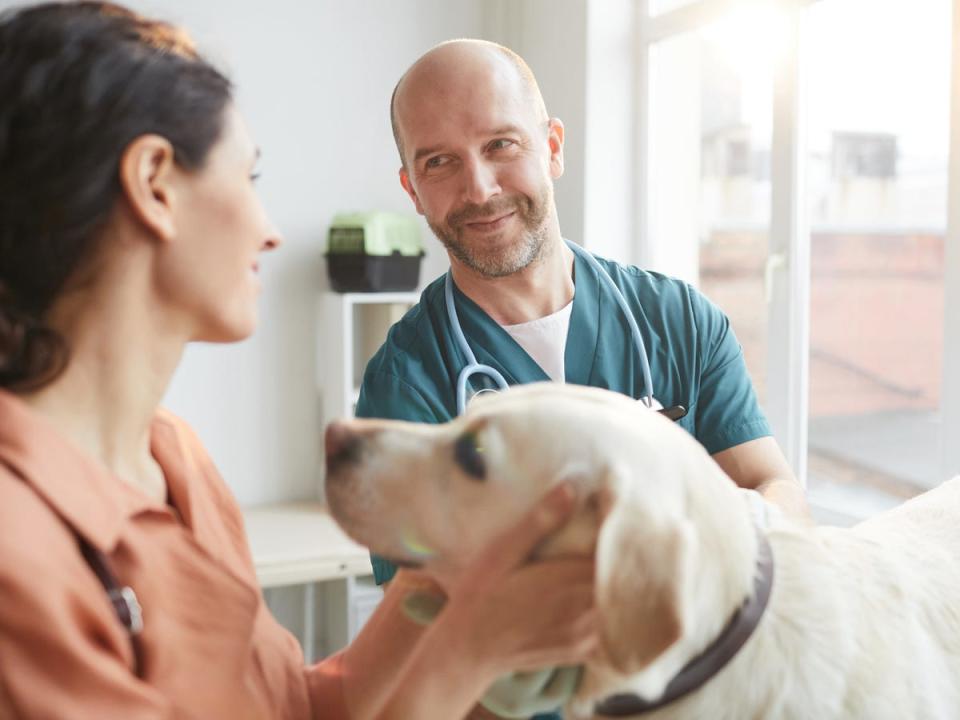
x: 147, y: 169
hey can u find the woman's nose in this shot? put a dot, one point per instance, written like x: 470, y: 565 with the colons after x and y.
x: 273, y: 240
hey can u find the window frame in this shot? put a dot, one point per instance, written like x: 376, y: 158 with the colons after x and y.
x: 950, y: 402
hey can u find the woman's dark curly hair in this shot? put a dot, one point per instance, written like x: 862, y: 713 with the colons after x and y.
x: 78, y: 82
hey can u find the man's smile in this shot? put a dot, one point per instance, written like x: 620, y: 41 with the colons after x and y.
x: 490, y: 225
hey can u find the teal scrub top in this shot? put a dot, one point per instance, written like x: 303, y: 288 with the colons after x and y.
x: 695, y: 359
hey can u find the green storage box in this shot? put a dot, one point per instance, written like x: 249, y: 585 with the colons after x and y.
x: 374, y: 252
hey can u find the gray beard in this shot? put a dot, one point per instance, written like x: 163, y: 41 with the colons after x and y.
x: 527, y: 249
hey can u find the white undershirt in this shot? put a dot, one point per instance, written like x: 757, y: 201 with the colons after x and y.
x: 545, y: 340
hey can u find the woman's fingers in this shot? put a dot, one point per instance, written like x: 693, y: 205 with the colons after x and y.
x: 514, y: 546
x: 519, y: 615
x: 577, y: 646
x: 541, y: 613
x: 412, y: 579
x: 564, y: 632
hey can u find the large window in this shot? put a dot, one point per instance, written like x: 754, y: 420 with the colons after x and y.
x: 711, y: 130
x: 878, y: 112
x: 794, y: 166
x: 658, y: 7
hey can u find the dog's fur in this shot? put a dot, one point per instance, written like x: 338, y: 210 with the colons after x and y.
x: 862, y: 623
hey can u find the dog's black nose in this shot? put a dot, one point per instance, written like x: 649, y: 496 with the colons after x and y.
x: 336, y: 437
x: 341, y: 444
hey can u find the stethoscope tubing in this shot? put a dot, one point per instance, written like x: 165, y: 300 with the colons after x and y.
x: 474, y: 368
x: 631, y: 321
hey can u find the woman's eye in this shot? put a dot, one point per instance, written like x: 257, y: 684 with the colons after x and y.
x: 254, y: 176
x: 468, y: 454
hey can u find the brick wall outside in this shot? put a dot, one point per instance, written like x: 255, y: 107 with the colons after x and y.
x: 876, y: 316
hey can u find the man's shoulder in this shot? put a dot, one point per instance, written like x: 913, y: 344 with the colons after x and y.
x: 649, y: 285
x: 409, y: 336
x: 405, y: 376
x: 671, y: 306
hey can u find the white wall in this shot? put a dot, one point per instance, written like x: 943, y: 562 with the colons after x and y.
x: 610, y: 139
x: 582, y: 53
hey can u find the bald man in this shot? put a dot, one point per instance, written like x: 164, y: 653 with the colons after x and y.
x: 479, y: 155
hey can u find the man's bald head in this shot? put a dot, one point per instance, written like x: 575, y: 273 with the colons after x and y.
x: 457, y: 57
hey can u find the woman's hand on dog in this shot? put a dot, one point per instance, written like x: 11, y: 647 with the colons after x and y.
x: 502, y: 614
x: 519, y: 615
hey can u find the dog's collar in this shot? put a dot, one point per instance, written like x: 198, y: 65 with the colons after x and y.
x: 704, y: 666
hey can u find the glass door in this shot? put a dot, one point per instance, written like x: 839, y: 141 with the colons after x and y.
x: 716, y: 162
x: 878, y: 109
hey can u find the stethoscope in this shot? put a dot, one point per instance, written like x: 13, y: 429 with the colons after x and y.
x: 475, y: 368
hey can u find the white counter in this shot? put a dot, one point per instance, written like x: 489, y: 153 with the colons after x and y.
x: 298, y: 543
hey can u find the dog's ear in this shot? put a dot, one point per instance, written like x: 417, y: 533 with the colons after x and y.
x: 642, y: 576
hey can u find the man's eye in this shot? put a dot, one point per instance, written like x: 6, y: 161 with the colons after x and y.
x: 434, y: 162
x: 501, y: 144
x: 468, y: 454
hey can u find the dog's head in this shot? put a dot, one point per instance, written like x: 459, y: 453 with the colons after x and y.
x: 652, y: 502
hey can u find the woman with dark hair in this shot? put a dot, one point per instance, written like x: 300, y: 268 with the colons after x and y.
x: 129, y: 226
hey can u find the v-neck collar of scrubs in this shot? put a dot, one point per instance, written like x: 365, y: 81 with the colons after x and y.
x: 491, y: 344
x: 583, y: 338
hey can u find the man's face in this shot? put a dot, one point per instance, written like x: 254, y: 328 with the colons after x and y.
x: 479, y: 165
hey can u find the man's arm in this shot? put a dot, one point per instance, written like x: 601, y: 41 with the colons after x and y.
x: 729, y: 422
x: 760, y: 465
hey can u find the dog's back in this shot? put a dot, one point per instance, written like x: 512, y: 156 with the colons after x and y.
x: 863, y: 623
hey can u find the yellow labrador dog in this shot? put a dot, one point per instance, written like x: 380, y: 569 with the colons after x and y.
x: 705, y: 614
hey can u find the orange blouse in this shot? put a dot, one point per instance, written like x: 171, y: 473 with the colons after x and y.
x: 210, y: 647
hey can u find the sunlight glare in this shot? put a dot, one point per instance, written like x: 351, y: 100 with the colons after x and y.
x: 752, y: 39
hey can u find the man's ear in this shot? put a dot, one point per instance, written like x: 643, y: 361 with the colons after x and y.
x: 408, y: 186
x: 555, y: 141
x: 147, y: 167
x: 642, y: 577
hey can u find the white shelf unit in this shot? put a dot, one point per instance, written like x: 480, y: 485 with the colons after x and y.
x: 354, y: 325
x: 360, y: 321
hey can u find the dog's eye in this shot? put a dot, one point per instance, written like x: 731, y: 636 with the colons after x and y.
x: 469, y: 456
